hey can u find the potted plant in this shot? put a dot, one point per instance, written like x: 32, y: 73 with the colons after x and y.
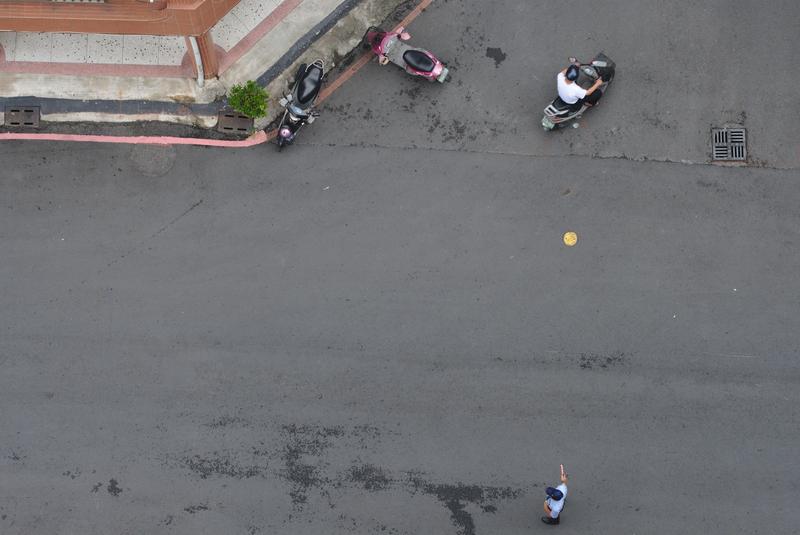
x: 249, y: 99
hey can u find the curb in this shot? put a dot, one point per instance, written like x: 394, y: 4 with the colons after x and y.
x: 258, y: 137
x: 255, y: 139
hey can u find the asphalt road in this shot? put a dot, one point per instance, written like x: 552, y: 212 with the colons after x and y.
x: 356, y: 348
x: 381, y: 331
x: 683, y: 67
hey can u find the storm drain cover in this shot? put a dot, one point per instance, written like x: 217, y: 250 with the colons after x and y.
x: 25, y: 116
x: 233, y: 122
x: 729, y: 144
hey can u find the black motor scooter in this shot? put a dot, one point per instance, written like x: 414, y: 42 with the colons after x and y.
x: 558, y: 113
x: 299, y: 103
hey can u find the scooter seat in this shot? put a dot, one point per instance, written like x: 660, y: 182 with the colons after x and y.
x: 418, y: 60
x: 309, y: 85
x: 563, y: 106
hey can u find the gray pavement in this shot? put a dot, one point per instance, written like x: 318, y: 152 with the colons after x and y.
x: 352, y: 350
x: 380, y: 330
x: 682, y: 68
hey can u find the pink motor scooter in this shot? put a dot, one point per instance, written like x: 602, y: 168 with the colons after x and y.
x: 391, y: 47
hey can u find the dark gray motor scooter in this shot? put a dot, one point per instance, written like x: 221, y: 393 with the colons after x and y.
x: 299, y: 103
x: 558, y: 113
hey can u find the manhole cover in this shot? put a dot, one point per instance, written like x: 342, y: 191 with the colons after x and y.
x: 729, y: 144
x: 25, y: 116
x: 233, y: 122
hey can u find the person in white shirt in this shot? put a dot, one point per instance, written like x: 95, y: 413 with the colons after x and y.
x: 554, y: 503
x: 569, y: 91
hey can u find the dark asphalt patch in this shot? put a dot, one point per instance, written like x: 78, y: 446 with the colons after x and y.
x: 497, y: 55
x: 302, y: 442
x: 192, y: 509
x: 303, y: 450
x: 369, y: 476
x: 456, y: 497
x: 588, y: 361
x: 113, y: 488
x: 218, y: 465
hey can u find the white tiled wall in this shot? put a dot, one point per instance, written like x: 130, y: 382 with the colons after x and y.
x: 8, y: 40
x: 104, y: 49
x: 240, y: 20
x: 93, y: 48
x: 69, y: 47
x: 34, y: 46
x: 130, y: 49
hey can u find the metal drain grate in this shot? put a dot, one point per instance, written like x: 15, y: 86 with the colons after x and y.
x: 24, y: 116
x: 232, y: 122
x: 729, y: 144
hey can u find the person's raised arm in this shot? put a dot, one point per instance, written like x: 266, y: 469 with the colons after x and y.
x: 597, y: 84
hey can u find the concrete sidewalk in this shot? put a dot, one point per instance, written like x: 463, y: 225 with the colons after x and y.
x: 107, y: 78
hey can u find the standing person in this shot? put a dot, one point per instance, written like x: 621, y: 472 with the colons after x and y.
x: 555, y: 500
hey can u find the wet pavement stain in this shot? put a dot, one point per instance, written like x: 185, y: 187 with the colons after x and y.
x: 221, y: 465
x: 456, y: 497
x: 302, y: 456
x: 303, y: 442
x: 588, y: 361
x: 497, y: 55
x: 456, y: 132
x: 113, y: 487
x: 369, y: 476
x: 192, y: 509
x: 70, y: 474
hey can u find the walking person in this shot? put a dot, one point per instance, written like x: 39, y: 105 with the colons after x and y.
x: 554, y: 503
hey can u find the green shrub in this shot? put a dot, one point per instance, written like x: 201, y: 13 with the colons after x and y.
x: 249, y: 99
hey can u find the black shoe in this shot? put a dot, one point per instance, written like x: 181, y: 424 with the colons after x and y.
x: 552, y: 521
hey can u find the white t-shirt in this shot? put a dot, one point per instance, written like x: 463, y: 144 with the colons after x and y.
x: 569, y: 93
x: 557, y: 506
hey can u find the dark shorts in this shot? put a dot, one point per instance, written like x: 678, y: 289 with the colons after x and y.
x: 593, y: 98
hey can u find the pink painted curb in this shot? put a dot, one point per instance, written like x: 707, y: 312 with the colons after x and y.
x: 255, y: 139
